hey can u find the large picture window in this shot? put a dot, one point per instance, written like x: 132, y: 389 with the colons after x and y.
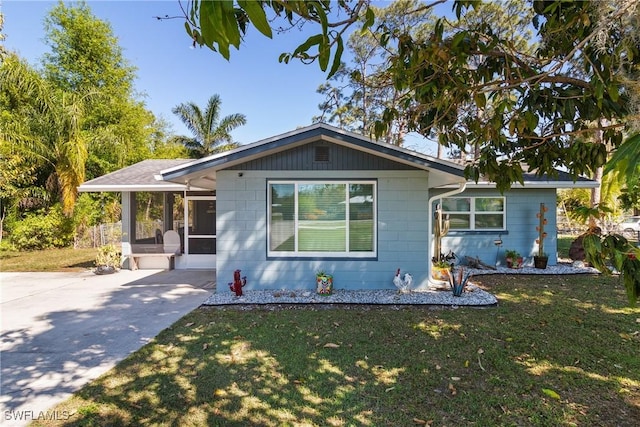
x: 475, y: 213
x: 310, y: 218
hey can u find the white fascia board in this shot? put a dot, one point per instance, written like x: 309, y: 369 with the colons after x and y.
x: 131, y: 188
x: 535, y: 184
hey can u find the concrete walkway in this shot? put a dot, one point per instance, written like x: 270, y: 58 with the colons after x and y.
x: 61, y: 330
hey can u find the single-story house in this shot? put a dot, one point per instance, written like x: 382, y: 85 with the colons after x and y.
x: 321, y: 198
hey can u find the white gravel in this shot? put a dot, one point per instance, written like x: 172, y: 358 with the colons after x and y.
x: 474, y: 296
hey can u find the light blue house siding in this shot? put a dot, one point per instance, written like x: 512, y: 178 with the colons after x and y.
x: 402, y: 233
x: 522, y: 205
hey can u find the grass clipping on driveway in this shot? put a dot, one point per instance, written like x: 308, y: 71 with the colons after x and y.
x: 559, y: 350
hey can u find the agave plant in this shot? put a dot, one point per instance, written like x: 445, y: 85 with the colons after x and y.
x: 458, y: 280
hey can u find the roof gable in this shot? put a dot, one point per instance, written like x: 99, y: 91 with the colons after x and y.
x: 442, y: 172
x: 321, y: 156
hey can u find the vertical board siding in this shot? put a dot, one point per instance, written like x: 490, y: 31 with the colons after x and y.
x: 522, y: 205
x: 242, y: 235
x: 303, y: 158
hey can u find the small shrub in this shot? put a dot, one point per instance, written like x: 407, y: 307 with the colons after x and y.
x: 6, y: 246
x: 43, y: 231
x: 108, y: 256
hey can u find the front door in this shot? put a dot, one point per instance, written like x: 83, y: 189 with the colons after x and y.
x: 200, y: 232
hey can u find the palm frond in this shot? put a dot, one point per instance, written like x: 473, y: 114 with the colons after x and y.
x: 209, y: 134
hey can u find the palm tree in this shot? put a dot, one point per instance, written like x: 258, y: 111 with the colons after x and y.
x: 46, y: 126
x: 210, y: 133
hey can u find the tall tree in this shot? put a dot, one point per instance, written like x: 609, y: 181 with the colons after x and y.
x: 44, y: 124
x: 85, y: 55
x: 358, y: 93
x: 211, y: 134
x: 3, y: 51
x: 541, y: 101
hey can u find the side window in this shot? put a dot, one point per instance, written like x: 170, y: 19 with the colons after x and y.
x: 475, y: 213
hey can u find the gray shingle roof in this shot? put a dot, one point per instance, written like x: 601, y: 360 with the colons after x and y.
x: 137, y: 177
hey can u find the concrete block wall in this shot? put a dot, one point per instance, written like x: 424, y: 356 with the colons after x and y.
x: 402, y: 240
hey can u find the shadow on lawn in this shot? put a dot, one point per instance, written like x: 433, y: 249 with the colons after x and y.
x: 56, y: 353
x: 547, y: 355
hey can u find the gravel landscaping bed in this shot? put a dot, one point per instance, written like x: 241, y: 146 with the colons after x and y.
x: 474, y: 296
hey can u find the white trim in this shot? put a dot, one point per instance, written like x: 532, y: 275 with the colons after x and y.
x: 531, y: 185
x: 472, y: 212
x: 168, y: 186
x: 307, y: 254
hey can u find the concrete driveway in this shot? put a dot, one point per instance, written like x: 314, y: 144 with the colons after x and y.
x: 61, y: 330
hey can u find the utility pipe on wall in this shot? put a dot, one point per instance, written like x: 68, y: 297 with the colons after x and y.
x: 460, y: 189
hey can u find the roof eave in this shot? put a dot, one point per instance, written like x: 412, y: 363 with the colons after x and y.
x: 168, y: 186
x: 537, y: 184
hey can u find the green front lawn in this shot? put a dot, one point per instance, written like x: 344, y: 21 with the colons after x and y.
x: 65, y: 259
x: 556, y: 351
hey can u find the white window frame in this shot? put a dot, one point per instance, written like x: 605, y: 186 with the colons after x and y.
x: 472, y: 213
x: 307, y: 254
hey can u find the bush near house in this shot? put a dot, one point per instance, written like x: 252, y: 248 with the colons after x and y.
x: 42, y: 230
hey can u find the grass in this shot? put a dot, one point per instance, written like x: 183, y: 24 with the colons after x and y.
x: 557, y: 350
x: 65, y: 259
x: 564, y: 244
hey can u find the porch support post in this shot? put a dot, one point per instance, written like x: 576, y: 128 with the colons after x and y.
x: 128, y: 224
x: 167, y: 211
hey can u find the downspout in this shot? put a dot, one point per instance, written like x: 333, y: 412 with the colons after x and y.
x: 462, y: 186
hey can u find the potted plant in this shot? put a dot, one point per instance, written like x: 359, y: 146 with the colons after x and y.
x: 440, y: 269
x: 108, y: 260
x: 324, y: 283
x: 540, y: 260
x: 513, y: 258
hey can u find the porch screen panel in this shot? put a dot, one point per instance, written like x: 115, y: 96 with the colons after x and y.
x: 322, y: 225
x: 361, y: 231
x: 282, y: 227
x: 149, y: 218
x: 201, y: 226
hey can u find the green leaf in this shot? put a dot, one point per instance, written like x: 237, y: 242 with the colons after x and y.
x: 626, y: 158
x: 322, y: 16
x: 481, y: 100
x: 311, y: 41
x: 188, y: 28
x: 458, y: 38
x: 337, y: 57
x: 284, y: 57
x: 231, y: 31
x: 369, y: 19
x: 324, y: 53
x: 257, y: 16
x: 552, y: 394
x: 532, y: 120
x: 613, y: 93
x: 208, y: 22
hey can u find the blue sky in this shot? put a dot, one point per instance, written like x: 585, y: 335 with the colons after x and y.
x: 275, y: 97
